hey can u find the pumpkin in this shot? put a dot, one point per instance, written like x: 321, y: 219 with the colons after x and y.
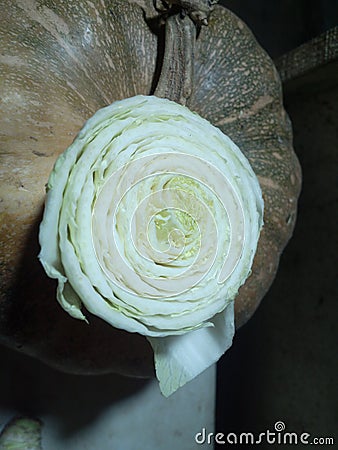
x: 62, y: 61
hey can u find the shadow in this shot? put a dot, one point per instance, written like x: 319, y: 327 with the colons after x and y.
x: 29, y: 388
x: 156, y: 26
x: 304, y: 20
x: 282, y: 366
x: 240, y: 382
x: 34, y: 324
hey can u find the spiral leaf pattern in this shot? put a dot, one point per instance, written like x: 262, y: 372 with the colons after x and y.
x: 152, y: 218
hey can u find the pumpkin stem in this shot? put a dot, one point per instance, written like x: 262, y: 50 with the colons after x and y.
x: 198, y: 10
x: 176, y: 78
x: 181, y: 19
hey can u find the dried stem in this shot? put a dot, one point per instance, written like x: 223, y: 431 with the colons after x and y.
x: 176, y: 77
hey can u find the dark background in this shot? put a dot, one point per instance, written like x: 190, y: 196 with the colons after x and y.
x: 280, y: 26
x: 283, y: 365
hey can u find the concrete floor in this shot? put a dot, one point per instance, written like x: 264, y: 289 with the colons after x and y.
x: 107, y: 412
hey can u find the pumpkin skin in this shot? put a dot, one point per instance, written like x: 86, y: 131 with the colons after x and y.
x: 60, y: 62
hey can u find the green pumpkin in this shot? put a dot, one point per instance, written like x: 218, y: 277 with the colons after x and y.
x: 60, y: 62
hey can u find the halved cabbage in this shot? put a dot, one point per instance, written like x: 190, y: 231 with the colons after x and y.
x: 151, y: 221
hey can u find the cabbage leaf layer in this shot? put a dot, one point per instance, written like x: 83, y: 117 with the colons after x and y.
x: 151, y: 222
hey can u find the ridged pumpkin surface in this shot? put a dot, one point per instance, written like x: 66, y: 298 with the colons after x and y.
x: 60, y: 62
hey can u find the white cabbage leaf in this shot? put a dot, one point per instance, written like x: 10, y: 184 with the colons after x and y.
x: 151, y: 222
